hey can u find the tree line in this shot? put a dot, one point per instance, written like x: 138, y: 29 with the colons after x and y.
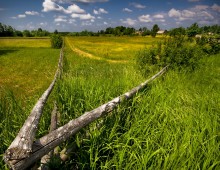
x: 9, y: 31
x: 191, y: 31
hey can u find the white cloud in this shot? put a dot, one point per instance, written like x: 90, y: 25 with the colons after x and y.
x: 95, y: 12
x: 31, y: 13
x: 43, y: 24
x: 71, y: 21
x: 193, y: 0
x: 206, y: 15
x: 129, y: 21
x: 216, y: 7
x: 100, y: 11
x: 83, y: 16
x: 91, y: 1
x: 158, y: 16
x: 99, y: 17
x: 105, y: 23
x: 174, y: 13
x: 198, y: 13
x: 75, y: 9
x: 21, y: 16
x: 60, y: 18
x: 127, y: 10
x: 86, y: 23
x: 137, y: 5
x: 201, y: 7
x: 49, y: 5
x: 145, y: 18
x: 188, y: 14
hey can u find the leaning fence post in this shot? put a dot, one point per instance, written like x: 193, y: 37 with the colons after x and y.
x: 21, y: 147
x: 45, y: 144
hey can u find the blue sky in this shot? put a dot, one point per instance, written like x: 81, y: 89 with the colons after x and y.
x: 94, y: 15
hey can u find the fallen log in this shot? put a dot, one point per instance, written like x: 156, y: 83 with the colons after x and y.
x: 21, y: 147
x: 45, y: 144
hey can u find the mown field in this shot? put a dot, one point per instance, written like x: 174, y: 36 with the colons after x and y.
x: 172, y: 124
x: 26, y: 65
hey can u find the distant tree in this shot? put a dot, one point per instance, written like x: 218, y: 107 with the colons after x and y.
x: 56, y: 32
x: 176, y: 32
x: 26, y: 33
x: 109, y: 30
x: 2, y: 30
x: 39, y: 30
x: 154, y: 30
x: 146, y: 31
x: 193, y: 30
x: 18, y: 33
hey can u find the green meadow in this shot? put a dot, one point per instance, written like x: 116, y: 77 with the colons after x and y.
x: 172, y: 124
x: 27, y: 65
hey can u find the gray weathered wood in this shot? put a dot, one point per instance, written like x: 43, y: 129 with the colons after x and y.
x: 45, y: 144
x: 21, y: 147
x: 53, y: 126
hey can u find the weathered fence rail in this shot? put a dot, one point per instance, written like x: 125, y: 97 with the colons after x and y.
x: 24, y: 150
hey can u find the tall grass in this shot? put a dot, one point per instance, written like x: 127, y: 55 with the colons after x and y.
x: 171, y: 124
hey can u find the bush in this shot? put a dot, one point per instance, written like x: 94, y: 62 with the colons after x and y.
x: 56, y: 41
x: 209, y: 45
x: 175, y: 52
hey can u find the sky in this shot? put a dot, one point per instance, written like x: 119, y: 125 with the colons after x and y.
x: 94, y: 15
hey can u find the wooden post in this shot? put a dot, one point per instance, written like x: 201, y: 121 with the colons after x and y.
x: 21, y: 147
x: 53, y: 126
x: 45, y: 144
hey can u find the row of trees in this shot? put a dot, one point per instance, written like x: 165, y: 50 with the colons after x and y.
x: 9, y: 31
x: 119, y: 31
x: 191, y: 31
x: 194, y: 29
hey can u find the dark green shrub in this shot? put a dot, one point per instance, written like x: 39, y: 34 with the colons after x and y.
x: 56, y: 41
x: 175, y: 52
x: 209, y: 45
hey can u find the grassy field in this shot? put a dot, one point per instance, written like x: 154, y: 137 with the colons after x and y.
x: 27, y: 66
x: 113, y: 48
x: 172, y: 124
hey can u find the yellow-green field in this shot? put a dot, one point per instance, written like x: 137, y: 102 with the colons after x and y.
x: 25, y: 42
x: 26, y: 65
x: 112, y: 48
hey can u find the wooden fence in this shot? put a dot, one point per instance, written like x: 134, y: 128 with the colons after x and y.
x: 24, y: 151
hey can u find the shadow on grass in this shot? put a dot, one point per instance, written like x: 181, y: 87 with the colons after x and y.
x: 4, y: 52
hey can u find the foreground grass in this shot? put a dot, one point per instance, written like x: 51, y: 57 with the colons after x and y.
x: 172, y: 124
x: 27, y: 67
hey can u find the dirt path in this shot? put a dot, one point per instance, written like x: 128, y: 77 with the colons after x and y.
x: 88, y: 55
